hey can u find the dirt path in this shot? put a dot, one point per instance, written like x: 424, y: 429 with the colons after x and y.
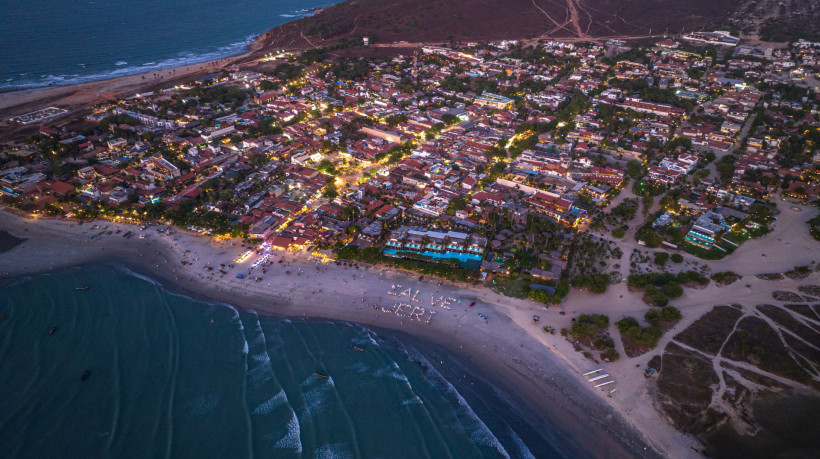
x: 573, y: 15
x: 549, y: 18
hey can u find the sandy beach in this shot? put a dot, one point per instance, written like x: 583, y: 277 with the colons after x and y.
x: 542, y: 371
x: 543, y: 387
x: 78, y: 96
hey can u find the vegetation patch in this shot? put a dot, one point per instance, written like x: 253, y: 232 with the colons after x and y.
x: 595, y: 283
x: 710, y: 331
x: 782, y: 295
x: 814, y: 227
x: 804, y: 310
x: 787, y: 321
x: 591, y: 331
x: 770, y: 276
x: 684, y: 388
x: 659, y: 287
x: 755, y: 342
x: 813, y: 290
x: 725, y: 277
x: 664, y: 318
x: 638, y: 340
x: 799, y: 272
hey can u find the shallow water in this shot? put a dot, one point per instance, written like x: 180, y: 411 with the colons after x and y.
x: 170, y: 375
x: 59, y: 42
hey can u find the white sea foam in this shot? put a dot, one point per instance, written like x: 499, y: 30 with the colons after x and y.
x: 479, y: 432
x: 415, y: 400
x: 271, y: 404
x: 261, y: 358
x: 522, y: 450
x: 235, y: 311
x: 394, y: 372
x: 260, y: 373
x: 333, y: 451
x: 125, y: 270
x: 372, y: 337
x: 245, y: 347
x: 293, y: 438
x: 123, y: 70
x: 121, y: 63
x: 315, y: 398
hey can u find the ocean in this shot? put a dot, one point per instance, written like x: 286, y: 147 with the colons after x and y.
x: 169, y: 375
x: 57, y: 42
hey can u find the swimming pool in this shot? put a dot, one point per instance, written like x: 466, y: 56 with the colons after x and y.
x: 465, y: 260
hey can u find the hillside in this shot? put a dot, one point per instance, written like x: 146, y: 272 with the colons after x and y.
x: 386, y: 21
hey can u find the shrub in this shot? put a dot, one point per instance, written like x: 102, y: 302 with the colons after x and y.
x: 589, y: 326
x: 618, y: 232
x: 666, y: 314
x: 672, y: 290
x: 595, y: 283
x: 677, y: 258
x: 604, y: 343
x: 642, y: 336
x: 660, y: 279
x: 653, y: 317
x: 656, y: 297
x: 671, y: 314
x: 661, y: 258
x: 722, y: 276
x: 610, y: 354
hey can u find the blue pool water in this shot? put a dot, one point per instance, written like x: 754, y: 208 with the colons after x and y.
x: 465, y: 260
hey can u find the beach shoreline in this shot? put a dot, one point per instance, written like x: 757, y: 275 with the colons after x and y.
x: 542, y: 389
x: 76, y: 96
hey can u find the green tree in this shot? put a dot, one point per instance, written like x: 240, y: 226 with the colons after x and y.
x: 661, y: 258
x: 672, y: 290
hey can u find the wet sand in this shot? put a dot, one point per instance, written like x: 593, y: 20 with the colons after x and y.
x: 8, y: 242
x: 542, y: 389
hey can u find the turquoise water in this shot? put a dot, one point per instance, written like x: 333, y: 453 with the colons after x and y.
x: 173, y: 376
x: 45, y: 42
x: 465, y: 260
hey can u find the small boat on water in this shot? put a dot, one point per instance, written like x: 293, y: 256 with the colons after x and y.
x: 358, y: 349
x: 85, y: 375
x: 82, y: 287
x: 53, y: 329
x: 321, y: 375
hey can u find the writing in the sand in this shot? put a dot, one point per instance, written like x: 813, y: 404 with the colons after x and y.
x: 411, y: 307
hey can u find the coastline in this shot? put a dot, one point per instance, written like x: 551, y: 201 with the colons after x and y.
x: 539, y: 386
x: 80, y: 95
x: 516, y: 356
